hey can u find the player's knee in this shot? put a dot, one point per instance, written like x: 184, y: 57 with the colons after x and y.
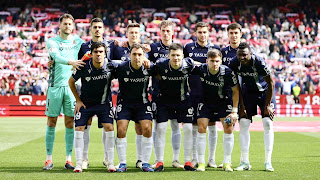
x: 147, y: 131
x: 161, y: 128
x: 228, y: 129
x: 108, y: 127
x: 69, y: 124
x: 267, y: 123
x: 174, y: 125
x: 52, y: 121
x: 202, y: 128
x: 244, y: 124
x: 138, y: 129
x: 187, y: 128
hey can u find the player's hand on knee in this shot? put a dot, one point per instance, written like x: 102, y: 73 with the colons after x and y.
x: 50, y: 63
x: 78, y: 106
x: 243, y: 113
x: 233, y: 117
x: 269, y: 112
x: 76, y: 64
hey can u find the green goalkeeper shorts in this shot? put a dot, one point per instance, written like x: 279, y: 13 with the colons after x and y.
x: 60, y: 98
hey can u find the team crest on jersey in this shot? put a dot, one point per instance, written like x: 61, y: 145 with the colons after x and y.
x: 123, y: 58
x: 202, y: 79
x: 155, y: 54
x: 125, y: 51
x: 145, y: 72
x: 164, y: 77
x: 184, y: 71
x: 192, y: 48
x: 88, y: 79
x: 158, y: 48
x: 166, y: 71
x: 226, y: 51
x: 128, y: 72
x: 190, y: 54
x: 89, y: 46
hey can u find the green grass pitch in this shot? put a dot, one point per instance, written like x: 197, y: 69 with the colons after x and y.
x: 22, y: 155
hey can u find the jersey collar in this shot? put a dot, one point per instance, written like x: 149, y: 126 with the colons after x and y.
x: 196, y: 44
x: 164, y: 46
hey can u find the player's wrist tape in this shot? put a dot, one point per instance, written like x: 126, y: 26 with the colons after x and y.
x: 234, y: 110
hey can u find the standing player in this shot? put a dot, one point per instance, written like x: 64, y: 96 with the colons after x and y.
x: 174, y: 101
x: 198, y: 52
x: 96, y: 31
x: 96, y: 78
x: 161, y: 50
x: 133, y: 104
x: 63, y: 50
x: 257, y: 90
x: 234, y: 34
x: 219, y: 83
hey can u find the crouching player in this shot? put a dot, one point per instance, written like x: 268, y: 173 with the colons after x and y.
x: 133, y: 104
x: 217, y: 82
x: 96, y: 78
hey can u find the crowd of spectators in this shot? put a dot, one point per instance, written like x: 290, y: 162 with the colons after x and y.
x: 287, y: 35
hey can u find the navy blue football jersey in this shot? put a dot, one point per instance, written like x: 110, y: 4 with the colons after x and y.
x: 174, y: 82
x: 133, y: 83
x: 158, y: 50
x: 227, y: 54
x: 253, y: 74
x: 197, y: 53
x: 216, y: 87
x: 120, y: 53
x: 95, y: 88
x: 86, y: 47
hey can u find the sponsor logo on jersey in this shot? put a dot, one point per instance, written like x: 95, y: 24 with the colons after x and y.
x: 190, y: 54
x: 103, y: 76
x: 213, y: 83
x: 155, y: 54
x: 88, y: 79
x: 123, y: 58
x: 177, y: 78
x: 251, y: 74
x: 137, y: 80
x: 200, y: 54
x: 126, y: 79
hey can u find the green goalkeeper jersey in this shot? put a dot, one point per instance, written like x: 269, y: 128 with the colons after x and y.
x: 61, y: 51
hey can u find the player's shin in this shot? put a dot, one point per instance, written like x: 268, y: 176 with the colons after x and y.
x: 146, y: 149
x: 69, y: 138
x: 160, y: 140
x: 201, y: 145
x: 228, y: 142
x: 195, y: 144
x: 78, y: 147
x: 268, y: 138
x: 175, y: 139
x: 50, y: 136
x: 122, y: 150
x: 244, y: 139
x: 139, y: 146
x: 109, y: 149
x: 187, y: 141
x: 212, y: 141
x: 86, y: 140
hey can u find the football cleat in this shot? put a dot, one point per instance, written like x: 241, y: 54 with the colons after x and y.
x: 85, y: 164
x: 188, y: 166
x: 212, y: 163
x: 146, y: 168
x: 69, y: 165
x: 201, y: 167
x: 227, y: 167
x: 78, y: 169
x: 243, y: 167
x: 194, y: 162
x: 268, y: 167
x: 154, y: 165
x: 48, y: 165
x: 159, y: 167
x: 139, y: 164
x: 122, y: 167
x: 105, y: 163
x: 220, y: 165
x: 176, y: 164
x: 111, y: 168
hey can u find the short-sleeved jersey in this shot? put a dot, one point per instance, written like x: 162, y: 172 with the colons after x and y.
x: 86, y: 47
x: 216, y: 87
x: 61, y: 51
x: 119, y: 53
x: 227, y: 54
x: 253, y: 74
x: 133, y: 83
x: 174, y: 82
x: 158, y: 50
x: 96, y: 83
x: 197, y: 53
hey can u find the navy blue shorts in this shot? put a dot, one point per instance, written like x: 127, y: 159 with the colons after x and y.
x: 103, y: 111
x: 182, y: 111
x: 253, y: 99
x: 214, y: 111
x: 134, y: 112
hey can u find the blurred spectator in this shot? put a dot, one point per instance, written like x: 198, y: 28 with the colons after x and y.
x: 296, y: 93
